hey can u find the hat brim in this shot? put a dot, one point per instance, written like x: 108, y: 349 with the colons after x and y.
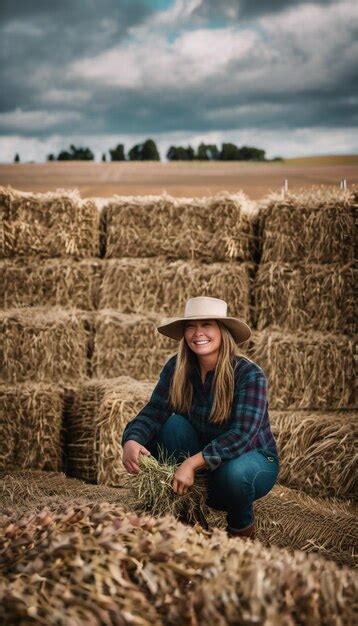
x: 175, y: 329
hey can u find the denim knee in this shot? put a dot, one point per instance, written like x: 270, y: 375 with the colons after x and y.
x: 178, y: 437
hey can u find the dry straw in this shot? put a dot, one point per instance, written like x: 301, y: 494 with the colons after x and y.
x: 30, y: 424
x: 313, y: 225
x: 214, y: 228
x: 157, y: 286
x: 97, y: 564
x: 43, y: 345
x: 51, y: 282
x: 96, y: 414
x: 129, y: 345
x: 285, y: 517
x: 318, y: 451
x: 151, y: 490
x: 306, y: 370
x: 50, y: 224
x: 306, y: 296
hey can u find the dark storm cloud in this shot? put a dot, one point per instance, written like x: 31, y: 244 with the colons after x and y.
x: 91, y: 68
x: 248, y: 9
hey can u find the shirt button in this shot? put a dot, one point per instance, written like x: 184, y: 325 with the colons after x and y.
x: 270, y: 458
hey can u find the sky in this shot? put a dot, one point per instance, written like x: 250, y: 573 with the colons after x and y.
x: 279, y: 75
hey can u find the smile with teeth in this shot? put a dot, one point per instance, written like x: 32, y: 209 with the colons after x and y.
x: 201, y: 342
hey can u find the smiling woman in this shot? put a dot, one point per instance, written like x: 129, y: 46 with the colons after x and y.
x: 209, y: 411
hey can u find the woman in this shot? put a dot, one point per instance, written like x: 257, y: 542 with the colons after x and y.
x: 210, y: 403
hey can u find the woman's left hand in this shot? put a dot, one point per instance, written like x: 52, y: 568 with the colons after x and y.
x: 183, y: 478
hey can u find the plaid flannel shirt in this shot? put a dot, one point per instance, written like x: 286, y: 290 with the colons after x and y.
x: 247, y: 429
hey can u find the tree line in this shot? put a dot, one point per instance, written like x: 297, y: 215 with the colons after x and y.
x: 148, y: 151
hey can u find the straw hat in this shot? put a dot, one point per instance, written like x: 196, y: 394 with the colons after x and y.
x: 202, y: 308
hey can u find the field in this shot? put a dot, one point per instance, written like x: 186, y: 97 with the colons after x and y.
x: 180, y: 179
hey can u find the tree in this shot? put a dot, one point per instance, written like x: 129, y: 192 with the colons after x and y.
x: 117, y: 154
x: 17, y: 158
x: 207, y: 152
x: 229, y: 152
x: 76, y: 154
x: 249, y: 153
x: 150, y: 151
x: 146, y: 151
x: 178, y: 153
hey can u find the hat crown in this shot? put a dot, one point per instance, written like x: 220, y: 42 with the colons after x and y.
x: 203, y: 306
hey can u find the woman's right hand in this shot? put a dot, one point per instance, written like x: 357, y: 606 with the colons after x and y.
x: 131, y: 451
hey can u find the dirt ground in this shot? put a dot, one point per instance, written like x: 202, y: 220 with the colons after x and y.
x: 180, y: 178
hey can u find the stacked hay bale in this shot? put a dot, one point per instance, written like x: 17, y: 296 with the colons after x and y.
x: 48, y: 247
x: 306, y: 336
x: 161, y: 251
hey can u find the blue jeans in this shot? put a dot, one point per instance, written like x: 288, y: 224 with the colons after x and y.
x: 232, y: 487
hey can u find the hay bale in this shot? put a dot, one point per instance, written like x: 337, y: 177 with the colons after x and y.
x: 25, y: 490
x: 50, y: 282
x: 95, y: 419
x: 43, y: 345
x: 306, y: 370
x: 215, y: 228
x: 306, y: 296
x: 313, y: 225
x: 30, y: 426
x: 129, y: 345
x: 318, y: 451
x: 159, y: 572
x: 152, y: 285
x: 50, y: 224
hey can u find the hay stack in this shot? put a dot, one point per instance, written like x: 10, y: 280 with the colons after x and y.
x: 213, y: 229
x: 312, y: 225
x: 25, y: 490
x: 154, y: 285
x: 306, y: 370
x: 96, y: 416
x: 148, y: 571
x: 129, y: 345
x: 43, y: 345
x: 30, y: 426
x: 50, y: 282
x: 306, y: 296
x: 49, y: 224
x: 318, y: 452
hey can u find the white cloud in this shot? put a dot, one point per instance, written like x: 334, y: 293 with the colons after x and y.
x: 36, y: 120
x: 65, y: 96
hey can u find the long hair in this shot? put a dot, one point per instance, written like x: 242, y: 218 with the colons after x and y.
x: 181, y: 388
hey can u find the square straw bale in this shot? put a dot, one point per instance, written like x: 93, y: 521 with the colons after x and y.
x: 50, y: 224
x: 312, y: 225
x: 43, y: 345
x: 214, y: 228
x: 306, y: 370
x: 318, y: 451
x: 154, y: 284
x: 30, y: 426
x: 95, y: 419
x: 54, y: 282
x: 129, y: 345
x: 306, y: 296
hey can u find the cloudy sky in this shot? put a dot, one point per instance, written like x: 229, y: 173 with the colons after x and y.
x: 279, y: 75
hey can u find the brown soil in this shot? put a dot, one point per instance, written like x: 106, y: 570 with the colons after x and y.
x: 179, y: 179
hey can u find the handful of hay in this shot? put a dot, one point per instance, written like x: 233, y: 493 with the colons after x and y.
x: 151, y: 490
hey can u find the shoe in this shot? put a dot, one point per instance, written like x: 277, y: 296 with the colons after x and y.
x: 247, y: 533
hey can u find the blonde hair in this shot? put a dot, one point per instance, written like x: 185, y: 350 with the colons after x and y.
x: 181, y: 388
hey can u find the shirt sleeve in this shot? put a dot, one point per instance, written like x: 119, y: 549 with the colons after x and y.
x: 248, y: 411
x: 147, y: 424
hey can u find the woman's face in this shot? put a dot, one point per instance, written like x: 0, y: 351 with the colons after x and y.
x: 203, y: 337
